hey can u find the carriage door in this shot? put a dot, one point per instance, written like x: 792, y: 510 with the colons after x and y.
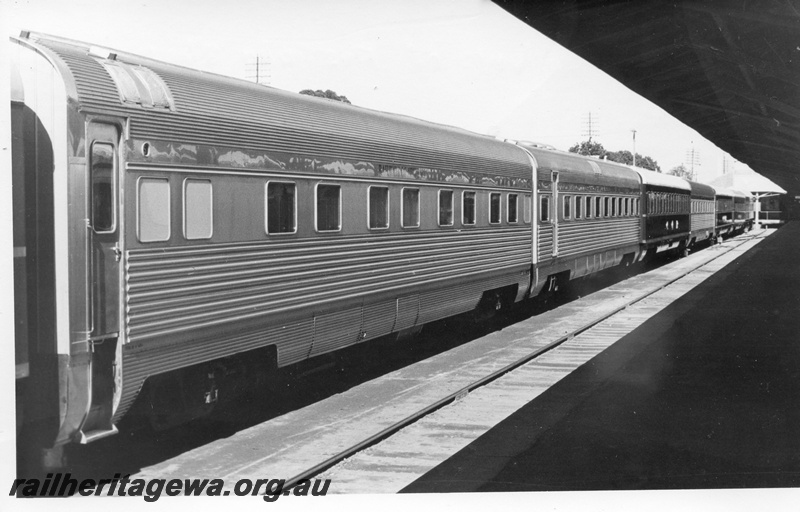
x: 103, y: 231
x: 556, y: 212
x: 104, y: 270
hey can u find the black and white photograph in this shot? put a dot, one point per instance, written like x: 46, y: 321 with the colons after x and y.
x: 425, y: 254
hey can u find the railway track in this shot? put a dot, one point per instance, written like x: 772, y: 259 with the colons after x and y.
x: 381, y: 436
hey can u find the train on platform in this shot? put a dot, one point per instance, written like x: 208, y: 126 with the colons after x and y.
x: 179, y: 233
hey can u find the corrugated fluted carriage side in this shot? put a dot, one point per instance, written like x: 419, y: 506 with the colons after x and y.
x: 180, y: 290
x: 577, y: 239
x: 190, y: 305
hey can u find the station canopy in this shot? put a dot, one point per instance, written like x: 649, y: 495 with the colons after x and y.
x: 748, y: 182
x: 730, y: 70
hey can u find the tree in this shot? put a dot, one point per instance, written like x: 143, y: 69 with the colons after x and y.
x: 622, y: 157
x: 681, y: 171
x: 329, y: 94
x: 647, y: 163
x: 626, y: 157
x: 588, y: 148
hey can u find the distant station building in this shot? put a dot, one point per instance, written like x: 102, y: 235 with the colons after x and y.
x: 770, y: 208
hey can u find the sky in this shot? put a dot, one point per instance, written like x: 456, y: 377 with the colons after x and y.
x: 464, y: 63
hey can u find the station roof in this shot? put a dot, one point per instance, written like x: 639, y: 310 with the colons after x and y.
x: 751, y: 182
x: 729, y: 70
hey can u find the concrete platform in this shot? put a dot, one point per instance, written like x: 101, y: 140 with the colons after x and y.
x: 705, y: 395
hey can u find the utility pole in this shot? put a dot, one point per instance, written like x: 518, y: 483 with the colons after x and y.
x: 634, y: 147
x: 259, y: 71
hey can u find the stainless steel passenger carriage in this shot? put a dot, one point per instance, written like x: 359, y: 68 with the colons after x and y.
x: 588, y: 216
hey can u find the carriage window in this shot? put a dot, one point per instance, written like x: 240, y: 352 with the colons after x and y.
x: 410, y: 208
x: 158, y: 91
x: 468, y: 208
x: 140, y: 85
x: 103, y: 186
x: 378, y: 207
x: 598, y: 207
x: 567, y: 204
x: 544, y: 209
x: 606, y: 209
x: 494, y: 208
x: 281, y: 210
x: 329, y: 213
x: 512, y: 208
x: 578, y: 204
x: 588, y: 207
x: 445, y: 207
x: 526, y: 212
x: 152, y: 206
x: 197, y: 209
